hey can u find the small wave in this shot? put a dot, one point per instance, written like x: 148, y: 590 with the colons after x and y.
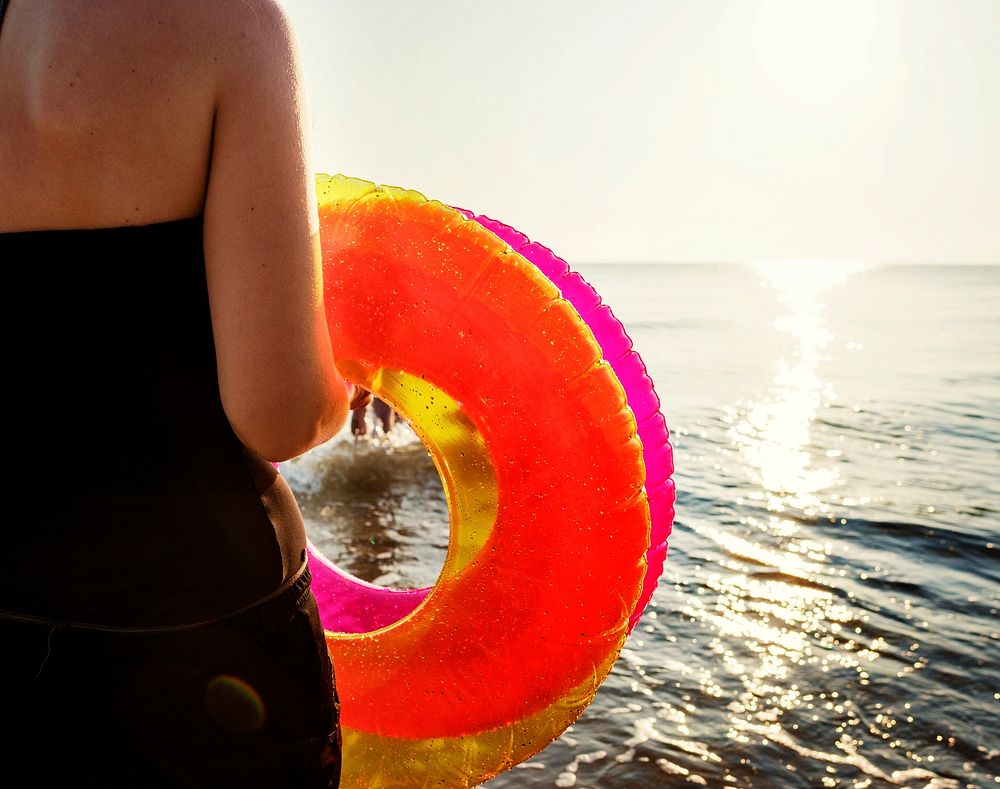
x: 850, y: 756
x: 935, y: 536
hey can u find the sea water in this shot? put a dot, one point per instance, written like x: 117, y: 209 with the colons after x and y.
x: 828, y: 613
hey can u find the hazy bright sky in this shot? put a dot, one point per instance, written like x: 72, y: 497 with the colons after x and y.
x: 676, y: 129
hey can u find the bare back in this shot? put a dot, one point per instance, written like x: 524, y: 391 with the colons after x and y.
x: 126, y: 113
x: 106, y: 111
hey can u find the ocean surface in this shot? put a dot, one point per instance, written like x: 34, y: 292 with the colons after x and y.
x: 828, y: 616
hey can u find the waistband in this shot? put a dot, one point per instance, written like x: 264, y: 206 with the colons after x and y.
x: 290, y: 594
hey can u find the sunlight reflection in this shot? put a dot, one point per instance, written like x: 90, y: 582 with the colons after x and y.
x: 773, y: 434
x: 775, y: 616
x: 789, y: 559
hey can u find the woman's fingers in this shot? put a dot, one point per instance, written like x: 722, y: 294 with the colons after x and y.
x: 360, y: 398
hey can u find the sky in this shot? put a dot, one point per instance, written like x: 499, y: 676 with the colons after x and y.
x: 675, y: 130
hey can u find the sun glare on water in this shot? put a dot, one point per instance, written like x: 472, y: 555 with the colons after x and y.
x: 773, y: 433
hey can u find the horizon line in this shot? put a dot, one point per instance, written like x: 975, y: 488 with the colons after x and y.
x: 786, y: 261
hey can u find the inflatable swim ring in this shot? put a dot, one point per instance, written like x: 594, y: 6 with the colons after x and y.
x: 616, y: 346
x: 544, y: 476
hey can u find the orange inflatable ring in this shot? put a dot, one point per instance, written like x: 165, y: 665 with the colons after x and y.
x: 542, y: 472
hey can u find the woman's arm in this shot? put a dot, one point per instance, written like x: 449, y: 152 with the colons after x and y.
x: 280, y: 388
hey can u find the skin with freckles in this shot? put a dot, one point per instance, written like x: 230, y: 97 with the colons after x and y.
x: 133, y: 113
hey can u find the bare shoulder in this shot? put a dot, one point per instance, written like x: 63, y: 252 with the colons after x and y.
x: 166, y: 32
x: 244, y: 44
x: 245, y: 32
x: 245, y: 17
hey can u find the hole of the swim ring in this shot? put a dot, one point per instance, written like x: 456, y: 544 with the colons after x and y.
x: 375, y: 506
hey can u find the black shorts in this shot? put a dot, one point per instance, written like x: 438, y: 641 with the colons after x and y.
x: 247, y: 700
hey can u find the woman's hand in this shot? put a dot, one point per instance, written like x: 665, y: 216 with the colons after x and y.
x: 360, y: 398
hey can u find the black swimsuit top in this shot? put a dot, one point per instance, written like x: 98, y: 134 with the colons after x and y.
x: 128, y: 498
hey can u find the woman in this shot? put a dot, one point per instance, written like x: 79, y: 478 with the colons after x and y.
x: 163, y: 339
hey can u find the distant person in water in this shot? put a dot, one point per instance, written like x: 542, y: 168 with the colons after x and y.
x: 383, y: 414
